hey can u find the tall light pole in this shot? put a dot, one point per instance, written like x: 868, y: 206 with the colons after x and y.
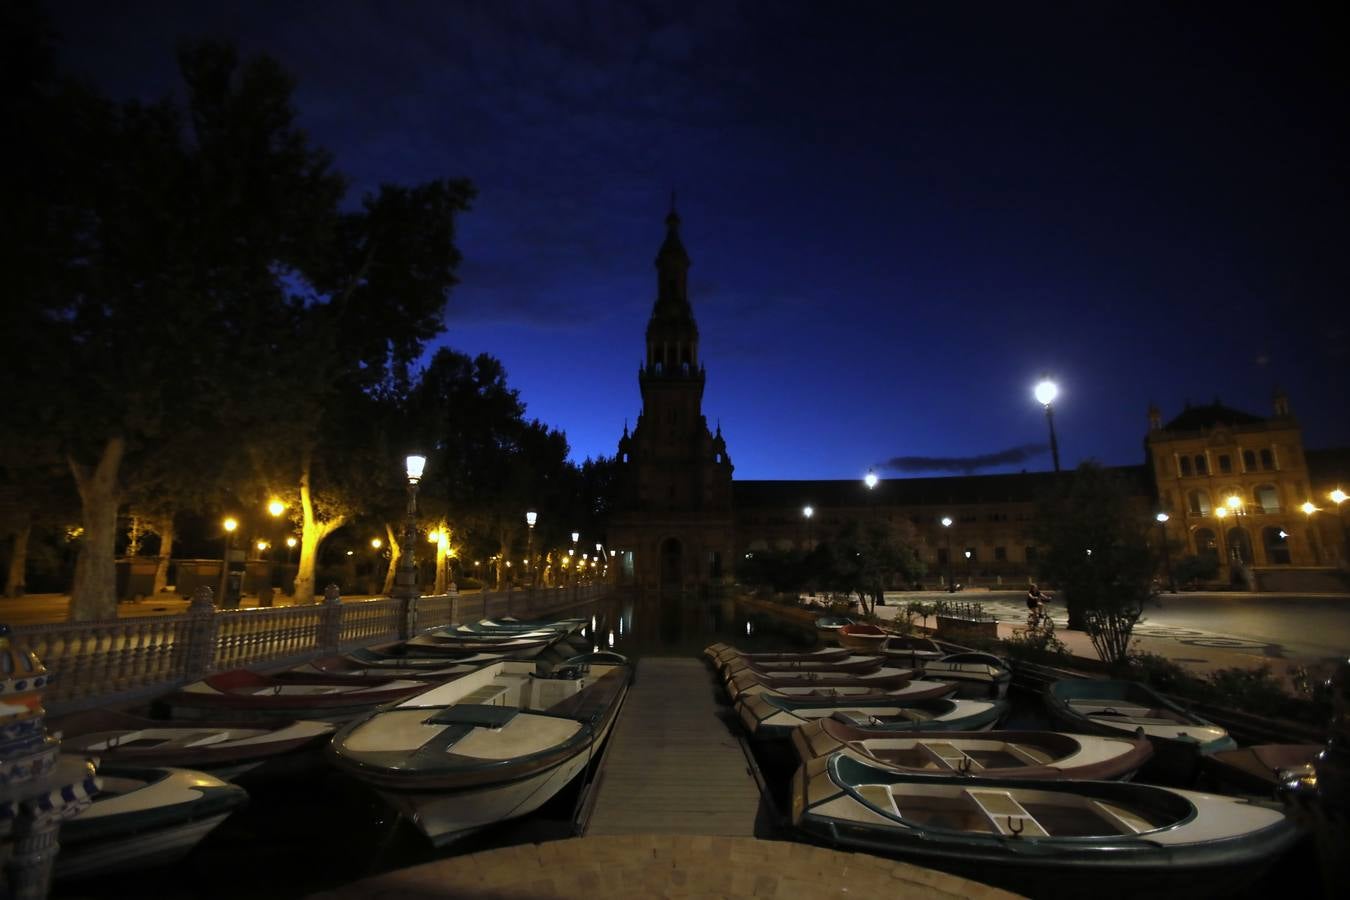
x: 290, y: 545
x: 808, y: 512
x: 1046, y: 392
x: 1222, y: 513
x: 1338, y: 497
x: 1162, y: 518
x: 230, y: 524
x: 530, y: 518
x: 1234, y: 503
x: 405, y: 582
x: 947, y: 524
x: 576, y: 536
x: 1308, y: 510
x: 968, y: 555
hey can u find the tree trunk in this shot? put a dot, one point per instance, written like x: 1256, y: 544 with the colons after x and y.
x: 312, y: 534
x: 442, y: 558
x: 164, y: 528
x: 18, y: 561
x: 93, y: 595
x: 395, y: 551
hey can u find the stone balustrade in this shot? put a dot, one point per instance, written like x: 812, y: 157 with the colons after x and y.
x: 94, y: 663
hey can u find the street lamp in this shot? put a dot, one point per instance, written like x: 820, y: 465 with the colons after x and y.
x: 1235, y: 507
x: 230, y: 524
x: 1222, y: 513
x: 1338, y: 497
x: 530, y: 518
x: 1162, y: 518
x: 276, y: 508
x: 1308, y: 510
x: 1046, y: 392
x: 808, y: 511
x: 870, y: 479
x: 968, y: 555
x: 405, y: 583
x: 947, y: 524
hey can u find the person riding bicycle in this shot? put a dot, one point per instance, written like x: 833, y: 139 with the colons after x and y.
x: 1036, y: 600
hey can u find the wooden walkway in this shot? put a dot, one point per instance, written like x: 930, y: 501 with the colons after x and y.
x: 673, y: 765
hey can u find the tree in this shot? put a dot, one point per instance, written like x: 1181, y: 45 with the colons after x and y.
x: 864, y: 558
x: 1097, y: 552
x: 193, y: 267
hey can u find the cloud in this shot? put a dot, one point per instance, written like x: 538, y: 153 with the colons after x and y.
x: 966, y: 465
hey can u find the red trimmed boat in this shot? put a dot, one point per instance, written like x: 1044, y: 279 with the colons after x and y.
x: 862, y: 636
x: 241, y: 695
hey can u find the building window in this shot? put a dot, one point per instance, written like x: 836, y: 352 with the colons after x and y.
x: 1248, y: 461
x: 1185, y: 465
x: 1198, y: 503
x: 1225, y: 463
x: 1268, y: 498
x: 1001, y: 554
x: 1204, y: 543
x: 1033, y: 554
x: 1267, y: 459
x: 1201, y: 466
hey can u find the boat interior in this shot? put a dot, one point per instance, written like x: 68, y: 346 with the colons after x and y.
x: 952, y: 756
x: 1010, y: 812
x: 1122, y: 710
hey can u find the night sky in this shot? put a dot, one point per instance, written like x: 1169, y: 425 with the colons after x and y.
x: 899, y: 214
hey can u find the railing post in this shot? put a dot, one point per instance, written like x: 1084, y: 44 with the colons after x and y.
x: 407, y: 618
x: 331, y: 634
x: 201, y: 635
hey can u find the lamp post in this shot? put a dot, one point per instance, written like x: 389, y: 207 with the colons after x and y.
x: 530, y: 518
x: 1046, y: 392
x: 1222, y: 513
x: 968, y: 555
x: 1308, y: 510
x: 576, y: 536
x: 290, y: 545
x: 230, y: 524
x: 405, y: 583
x: 1338, y: 497
x: 1162, y: 518
x: 947, y: 524
x: 1234, y: 503
x: 808, y: 512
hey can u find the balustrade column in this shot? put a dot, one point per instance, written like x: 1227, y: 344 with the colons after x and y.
x: 330, y: 629
x: 202, y: 631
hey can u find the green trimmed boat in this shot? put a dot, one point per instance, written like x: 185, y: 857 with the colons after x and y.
x: 1046, y: 838
x: 1179, y: 738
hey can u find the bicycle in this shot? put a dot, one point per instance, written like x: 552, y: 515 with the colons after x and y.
x: 1039, y: 621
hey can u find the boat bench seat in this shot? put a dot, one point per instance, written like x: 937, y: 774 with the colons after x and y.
x: 486, y: 695
x: 878, y: 795
x: 1129, y: 824
x: 1007, y: 816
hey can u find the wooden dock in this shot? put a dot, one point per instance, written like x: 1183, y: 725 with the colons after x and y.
x: 674, y: 766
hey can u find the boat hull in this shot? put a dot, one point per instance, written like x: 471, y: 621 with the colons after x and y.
x: 1122, y: 866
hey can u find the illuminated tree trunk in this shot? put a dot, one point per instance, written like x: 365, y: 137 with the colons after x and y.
x: 164, y: 528
x: 442, y: 558
x: 93, y: 594
x: 395, y: 552
x: 312, y: 534
x: 18, y: 561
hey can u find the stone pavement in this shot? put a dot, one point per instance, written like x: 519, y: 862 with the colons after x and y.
x: 630, y: 866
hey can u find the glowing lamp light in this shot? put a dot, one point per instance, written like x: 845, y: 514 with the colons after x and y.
x: 531, y: 517
x: 290, y: 542
x: 376, y: 543
x: 1162, y: 517
x: 276, y: 508
x: 1046, y: 392
x: 1283, y: 534
x: 1308, y: 508
x: 1234, y: 501
x: 946, y: 521
x: 415, y: 466
x: 808, y: 511
x: 350, y: 552
x: 262, y: 545
x: 433, y: 537
x: 968, y: 554
x: 610, y: 639
x: 870, y: 479
x: 1338, y: 496
x: 1221, y: 512
x: 599, y: 551
x: 230, y: 524
x: 576, y: 536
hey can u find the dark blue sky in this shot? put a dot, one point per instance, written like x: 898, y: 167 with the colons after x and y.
x: 899, y: 215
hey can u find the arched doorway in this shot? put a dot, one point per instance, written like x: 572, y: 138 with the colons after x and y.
x: 1239, y: 546
x: 672, y: 562
x: 1276, y: 543
x: 1205, y: 544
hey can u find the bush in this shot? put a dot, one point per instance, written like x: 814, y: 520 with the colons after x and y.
x: 1036, y: 646
x: 1190, y: 569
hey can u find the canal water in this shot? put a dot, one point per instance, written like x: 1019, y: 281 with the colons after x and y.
x: 308, y: 827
